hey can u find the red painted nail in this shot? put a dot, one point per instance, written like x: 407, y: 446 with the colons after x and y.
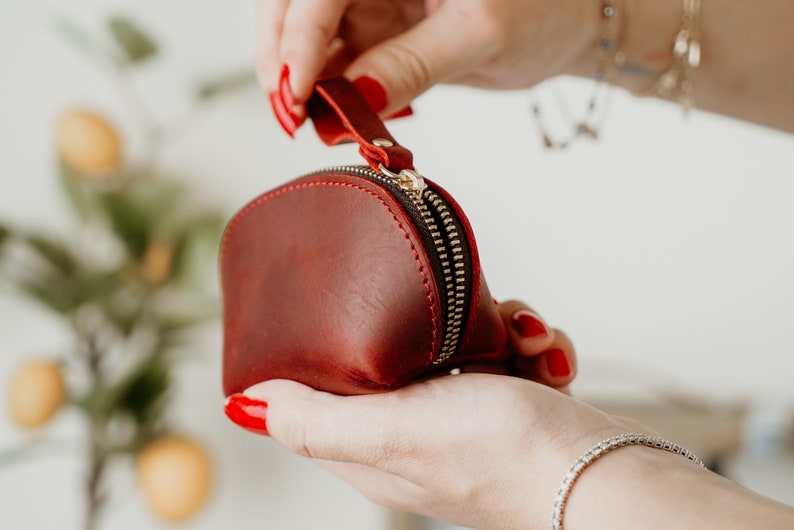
x: 288, y: 120
x: 250, y: 414
x: 557, y: 362
x: 528, y: 326
x: 404, y: 113
x: 373, y: 92
x: 285, y: 89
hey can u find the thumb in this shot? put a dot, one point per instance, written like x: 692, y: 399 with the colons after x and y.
x: 315, y: 424
x: 441, y: 47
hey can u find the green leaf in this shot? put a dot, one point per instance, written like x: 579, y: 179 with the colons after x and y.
x: 55, y: 278
x: 145, y: 393
x: 178, y: 323
x: 43, y: 269
x: 53, y: 253
x: 136, y: 44
x: 37, y: 447
x: 54, y: 295
x: 81, y: 197
x: 162, y: 200
x: 124, y: 314
x: 76, y: 36
x: 140, y: 211
x: 128, y: 222
x: 5, y: 234
x: 196, y: 255
x: 226, y: 84
x: 95, y: 287
x: 140, y: 393
x: 80, y: 40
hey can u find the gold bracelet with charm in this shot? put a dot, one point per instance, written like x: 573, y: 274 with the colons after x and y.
x: 678, y: 81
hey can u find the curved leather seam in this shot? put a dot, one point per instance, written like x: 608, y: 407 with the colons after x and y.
x: 425, y: 282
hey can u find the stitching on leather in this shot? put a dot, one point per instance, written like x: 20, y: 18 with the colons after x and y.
x: 280, y: 191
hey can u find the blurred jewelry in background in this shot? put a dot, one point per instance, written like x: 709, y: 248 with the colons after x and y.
x: 677, y: 82
x: 610, y: 58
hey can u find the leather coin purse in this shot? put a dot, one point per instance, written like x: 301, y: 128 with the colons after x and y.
x: 354, y: 279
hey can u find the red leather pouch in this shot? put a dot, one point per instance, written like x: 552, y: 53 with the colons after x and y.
x: 353, y: 279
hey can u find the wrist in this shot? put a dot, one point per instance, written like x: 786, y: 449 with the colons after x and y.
x: 589, y: 25
x: 647, y: 46
x: 626, y: 487
x: 645, y: 37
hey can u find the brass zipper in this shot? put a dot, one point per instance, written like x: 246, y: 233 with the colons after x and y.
x: 441, y: 232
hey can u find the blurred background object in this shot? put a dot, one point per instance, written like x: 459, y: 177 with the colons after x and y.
x: 130, y: 285
x: 662, y: 249
x: 126, y: 131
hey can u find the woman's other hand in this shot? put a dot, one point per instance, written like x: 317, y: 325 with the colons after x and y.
x: 397, y: 49
x: 536, y: 351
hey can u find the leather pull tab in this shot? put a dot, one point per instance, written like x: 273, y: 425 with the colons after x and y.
x: 340, y: 114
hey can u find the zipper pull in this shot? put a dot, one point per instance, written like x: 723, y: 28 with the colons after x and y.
x: 340, y: 113
x: 409, y: 180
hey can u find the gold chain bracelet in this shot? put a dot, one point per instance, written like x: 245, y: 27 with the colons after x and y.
x: 678, y: 81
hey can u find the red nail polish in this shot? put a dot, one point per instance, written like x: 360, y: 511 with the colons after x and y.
x: 250, y: 414
x: 373, y: 92
x: 288, y: 120
x: 528, y: 326
x: 285, y: 89
x: 557, y: 362
x: 404, y: 113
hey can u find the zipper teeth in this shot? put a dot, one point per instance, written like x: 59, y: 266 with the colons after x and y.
x: 452, y: 259
x: 453, y: 269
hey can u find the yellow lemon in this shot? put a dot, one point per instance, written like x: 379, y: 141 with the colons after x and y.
x: 158, y: 261
x: 37, y: 392
x: 88, y: 143
x: 175, y: 476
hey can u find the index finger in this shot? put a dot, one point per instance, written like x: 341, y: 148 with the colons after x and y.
x: 296, y: 33
x: 269, y: 23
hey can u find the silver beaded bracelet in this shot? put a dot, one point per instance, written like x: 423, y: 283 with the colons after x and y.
x: 599, y: 450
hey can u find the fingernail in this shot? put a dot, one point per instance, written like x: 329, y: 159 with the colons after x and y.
x: 557, y: 362
x: 285, y: 89
x: 528, y: 326
x: 250, y: 414
x: 404, y: 113
x: 373, y: 92
x: 286, y: 118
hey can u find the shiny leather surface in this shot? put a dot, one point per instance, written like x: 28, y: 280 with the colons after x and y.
x: 325, y: 282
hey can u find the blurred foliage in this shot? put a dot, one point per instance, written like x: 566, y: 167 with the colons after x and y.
x: 132, y: 282
x: 226, y: 83
x: 137, y: 46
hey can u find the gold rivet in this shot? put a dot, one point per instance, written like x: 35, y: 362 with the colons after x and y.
x: 382, y: 142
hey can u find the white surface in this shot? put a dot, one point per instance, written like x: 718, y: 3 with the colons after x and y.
x: 664, y: 250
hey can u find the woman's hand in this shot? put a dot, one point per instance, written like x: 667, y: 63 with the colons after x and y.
x: 536, y: 351
x: 479, y: 450
x: 397, y: 49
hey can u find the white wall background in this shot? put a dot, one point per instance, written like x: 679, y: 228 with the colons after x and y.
x: 664, y: 249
